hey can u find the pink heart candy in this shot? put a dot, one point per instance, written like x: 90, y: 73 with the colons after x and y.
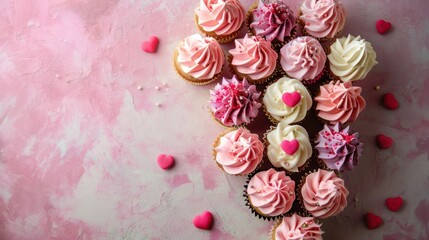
x: 204, y: 220
x: 165, y: 161
x: 382, y: 26
x: 150, y: 45
x: 291, y: 99
x: 290, y: 147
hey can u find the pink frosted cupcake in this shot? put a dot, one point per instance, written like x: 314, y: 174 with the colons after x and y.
x: 234, y: 102
x: 296, y: 227
x: 304, y: 59
x: 324, y: 194
x: 339, y: 102
x: 270, y: 193
x: 221, y: 19
x: 238, y: 152
x: 339, y: 148
x: 199, y: 60
x: 253, y: 59
x: 322, y: 19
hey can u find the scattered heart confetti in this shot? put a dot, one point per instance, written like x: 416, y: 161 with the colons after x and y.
x: 290, y: 147
x: 150, y: 45
x: 383, y: 26
x: 390, y: 102
x: 372, y: 221
x: 291, y: 99
x: 394, y: 204
x: 204, y: 220
x: 165, y: 161
x: 384, y: 141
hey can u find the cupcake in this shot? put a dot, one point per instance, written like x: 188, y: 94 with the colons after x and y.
x: 324, y: 194
x: 322, y: 19
x: 234, y: 102
x: 339, y: 102
x: 287, y: 100
x: 289, y: 146
x: 338, y: 148
x: 351, y: 58
x: 253, y: 59
x: 270, y: 193
x: 221, y: 19
x: 303, y: 58
x: 296, y: 227
x: 273, y: 20
x: 199, y: 60
x: 238, y: 152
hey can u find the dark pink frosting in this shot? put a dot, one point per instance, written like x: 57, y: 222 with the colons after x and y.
x: 234, y: 102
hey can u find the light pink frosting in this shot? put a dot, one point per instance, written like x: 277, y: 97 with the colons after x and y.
x: 339, y: 102
x: 222, y: 17
x: 201, y: 57
x: 324, y: 194
x: 254, y: 57
x: 239, y: 151
x: 272, y: 193
x: 323, y: 18
x: 303, y: 58
x: 296, y: 227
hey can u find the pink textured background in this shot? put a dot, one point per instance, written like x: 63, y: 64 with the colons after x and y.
x: 78, y: 140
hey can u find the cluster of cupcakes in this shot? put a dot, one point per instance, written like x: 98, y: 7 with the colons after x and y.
x: 290, y: 67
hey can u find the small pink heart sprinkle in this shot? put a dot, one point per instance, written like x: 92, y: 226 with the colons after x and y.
x: 291, y: 99
x: 165, y: 161
x: 382, y: 26
x: 204, y: 220
x: 290, y: 147
x: 150, y: 45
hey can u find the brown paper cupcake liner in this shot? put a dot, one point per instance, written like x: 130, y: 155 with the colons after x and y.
x: 234, y: 71
x: 221, y: 39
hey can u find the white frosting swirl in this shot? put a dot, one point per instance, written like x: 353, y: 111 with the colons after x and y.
x: 278, y: 157
x: 351, y: 58
x: 278, y: 109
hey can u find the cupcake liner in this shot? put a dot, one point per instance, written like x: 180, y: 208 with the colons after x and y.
x: 221, y: 39
x: 234, y: 70
x: 188, y: 78
x: 243, y: 125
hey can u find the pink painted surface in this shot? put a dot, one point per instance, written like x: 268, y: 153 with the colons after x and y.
x: 79, y: 140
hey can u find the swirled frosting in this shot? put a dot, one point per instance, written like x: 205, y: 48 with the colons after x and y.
x: 289, y: 146
x: 351, y: 58
x: 273, y: 20
x: 323, y: 18
x: 339, y: 102
x: 271, y: 193
x: 254, y: 57
x: 296, y: 227
x: 200, y: 57
x: 339, y: 148
x: 303, y: 58
x: 234, y: 102
x: 222, y: 17
x: 324, y: 194
x: 239, y: 151
x: 287, y: 100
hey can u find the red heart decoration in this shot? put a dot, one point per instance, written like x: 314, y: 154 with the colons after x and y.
x: 290, y: 147
x: 382, y: 26
x: 384, y: 141
x: 165, y: 161
x: 372, y: 221
x: 394, y: 204
x: 390, y: 102
x: 150, y: 45
x: 204, y: 220
x: 291, y: 99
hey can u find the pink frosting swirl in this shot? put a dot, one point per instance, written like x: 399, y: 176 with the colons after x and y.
x: 272, y: 193
x: 254, y: 57
x: 339, y: 102
x: 323, y: 18
x: 324, y: 194
x: 222, y: 17
x: 296, y: 227
x: 303, y: 58
x: 234, y: 102
x: 239, y: 151
x: 201, y: 57
x: 273, y: 20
